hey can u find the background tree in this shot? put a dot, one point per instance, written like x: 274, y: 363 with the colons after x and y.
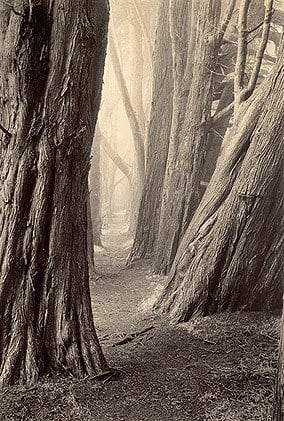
x: 229, y: 257
x: 158, y: 140
x: 186, y: 159
x: 137, y: 131
x: 51, y: 75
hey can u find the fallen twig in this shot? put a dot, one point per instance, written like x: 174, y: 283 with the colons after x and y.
x: 132, y: 336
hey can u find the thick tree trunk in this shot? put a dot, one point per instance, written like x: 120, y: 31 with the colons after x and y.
x: 158, y: 140
x: 231, y: 256
x: 184, y: 168
x: 51, y: 76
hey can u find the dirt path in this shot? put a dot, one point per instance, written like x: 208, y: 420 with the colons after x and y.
x: 220, y: 368
x: 120, y: 294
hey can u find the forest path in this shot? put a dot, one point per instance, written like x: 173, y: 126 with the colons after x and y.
x: 219, y: 368
x: 122, y: 297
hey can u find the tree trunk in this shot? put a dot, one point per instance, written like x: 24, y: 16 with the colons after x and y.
x: 158, y: 140
x: 51, y: 77
x: 184, y: 168
x: 137, y: 90
x: 130, y: 112
x: 217, y: 133
x: 230, y: 257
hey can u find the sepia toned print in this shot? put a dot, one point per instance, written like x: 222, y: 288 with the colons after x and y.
x: 141, y: 210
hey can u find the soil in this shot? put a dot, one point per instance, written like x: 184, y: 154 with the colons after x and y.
x: 218, y: 368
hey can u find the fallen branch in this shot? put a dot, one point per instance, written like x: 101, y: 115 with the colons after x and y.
x: 132, y: 336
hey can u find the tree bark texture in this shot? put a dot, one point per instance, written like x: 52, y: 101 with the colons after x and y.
x: 158, y: 140
x: 51, y: 76
x: 185, y: 163
x: 231, y: 255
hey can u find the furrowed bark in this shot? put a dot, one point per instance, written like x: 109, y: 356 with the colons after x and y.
x: 230, y: 257
x: 158, y: 141
x: 182, y: 191
x: 51, y: 76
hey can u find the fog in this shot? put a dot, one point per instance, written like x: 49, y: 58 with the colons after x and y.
x: 124, y: 111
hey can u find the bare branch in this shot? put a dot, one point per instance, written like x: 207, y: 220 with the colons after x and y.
x: 129, y: 109
x: 242, y: 47
x: 222, y: 113
x: 113, y: 155
x: 145, y: 31
x: 225, y: 22
x: 255, y: 28
x: 262, y: 46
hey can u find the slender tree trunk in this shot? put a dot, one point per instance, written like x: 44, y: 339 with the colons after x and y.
x: 158, y: 140
x: 51, y: 76
x: 231, y: 255
x: 184, y: 168
x: 115, y: 158
x: 137, y: 90
x: 130, y: 112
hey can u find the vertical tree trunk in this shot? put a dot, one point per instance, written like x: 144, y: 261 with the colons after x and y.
x: 184, y: 168
x: 137, y: 90
x: 231, y: 255
x: 51, y: 76
x: 158, y: 140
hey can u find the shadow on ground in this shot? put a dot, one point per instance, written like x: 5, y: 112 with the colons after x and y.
x: 219, y: 368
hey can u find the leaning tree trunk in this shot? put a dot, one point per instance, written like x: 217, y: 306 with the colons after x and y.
x: 231, y: 255
x: 158, y: 140
x: 129, y: 109
x: 279, y: 401
x: 51, y: 77
x: 184, y: 168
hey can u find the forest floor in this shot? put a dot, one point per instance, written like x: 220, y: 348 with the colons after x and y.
x: 219, y: 368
